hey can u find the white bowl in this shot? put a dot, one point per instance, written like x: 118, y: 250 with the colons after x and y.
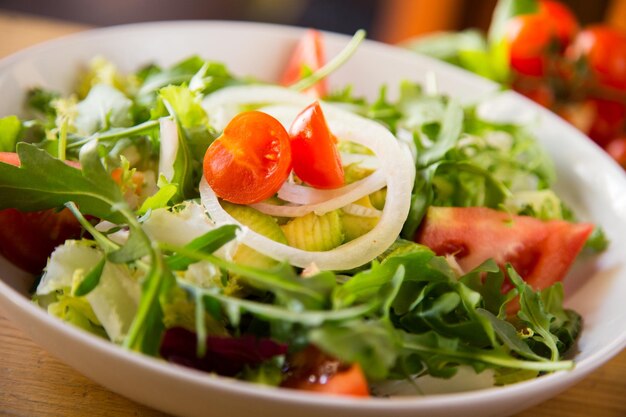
x: 588, y: 180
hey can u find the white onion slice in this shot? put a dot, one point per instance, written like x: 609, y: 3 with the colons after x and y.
x: 349, y: 195
x: 361, y: 211
x: 301, y: 194
x: 395, y: 163
x: 168, y: 148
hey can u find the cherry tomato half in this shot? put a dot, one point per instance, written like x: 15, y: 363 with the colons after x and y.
x: 604, y: 50
x: 316, y: 159
x: 250, y: 161
x: 307, y: 57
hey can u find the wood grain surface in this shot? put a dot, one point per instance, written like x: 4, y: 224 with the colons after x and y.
x: 34, y: 384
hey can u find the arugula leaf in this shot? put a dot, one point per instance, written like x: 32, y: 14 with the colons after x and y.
x: 565, y: 324
x: 442, y: 356
x: 533, y: 313
x: 421, y: 198
x: 464, y: 184
x: 91, y: 280
x: 105, y: 243
x: 43, y: 182
x: 372, y: 344
x: 208, y: 243
x: 134, y: 248
x: 384, y: 111
x: 175, y: 75
x: 451, y: 126
x: 310, y: 318
x: 487, y: 280
x: 281, y: 280
x: 508, y: 335
x: 214, y: 76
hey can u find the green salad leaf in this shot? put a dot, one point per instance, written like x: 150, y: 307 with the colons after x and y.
x: 31, y: 187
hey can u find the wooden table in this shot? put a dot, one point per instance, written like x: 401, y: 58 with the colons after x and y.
x: 33, y: 384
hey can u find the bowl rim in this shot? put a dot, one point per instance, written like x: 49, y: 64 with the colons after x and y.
x: 560, y: 379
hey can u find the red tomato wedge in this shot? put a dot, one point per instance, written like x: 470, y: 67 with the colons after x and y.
x: 308, y: 57
x: 250, y: 161
x: 541, y: 252
x: 313, y: 370
x: 27, y: 239
x: 316, y: 159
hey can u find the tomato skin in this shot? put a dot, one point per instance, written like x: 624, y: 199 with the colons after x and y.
x: 310, y: 54
x: 604, y: 50
x: 541, y: 252
x: 27, y: 239
x: 250, y: 161
x: 562, y: 19
x: 316, y: 159
x: 617, y: 149
x: 529, y: 38
x: 312, y: 370
x: 609, y: 120
x: 539, y: 92
x: 532, y: 37
x: 10, y: 158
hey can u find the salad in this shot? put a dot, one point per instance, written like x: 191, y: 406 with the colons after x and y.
x: 291, y: 235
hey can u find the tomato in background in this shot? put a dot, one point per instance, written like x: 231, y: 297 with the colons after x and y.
x: 316, y: 159
x: 603, y: 49
x: 536, y: 39
x: 609, y: 120
x: 27, y: 239
x: 539, y: 92
x: 617, y: 149
x: 529, y: 38
x: 312, y: 370
x: 562, y: 19
x: 250, y: 161
x: 309, y: 56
